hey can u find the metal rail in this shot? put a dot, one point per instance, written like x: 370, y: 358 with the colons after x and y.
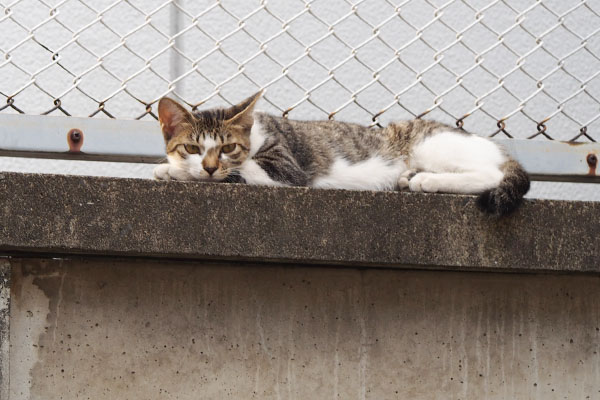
x: 71, y: 138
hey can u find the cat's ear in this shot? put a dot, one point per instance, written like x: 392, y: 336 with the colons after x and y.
x: 240, y: 115
x: 171, y: 116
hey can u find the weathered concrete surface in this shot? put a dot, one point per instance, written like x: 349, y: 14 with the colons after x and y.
x: 4, y: 327
x: 62, y: 214
x: 146, y: 330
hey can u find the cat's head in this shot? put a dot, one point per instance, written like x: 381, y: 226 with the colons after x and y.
x: 209, y: 145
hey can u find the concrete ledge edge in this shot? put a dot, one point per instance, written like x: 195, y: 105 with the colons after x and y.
x: 188, y: 220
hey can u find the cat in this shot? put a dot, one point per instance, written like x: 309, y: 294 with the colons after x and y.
x: 237, y: 144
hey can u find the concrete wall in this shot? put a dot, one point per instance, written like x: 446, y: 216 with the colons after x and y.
x: 104, y: 329
x: 123, y: 288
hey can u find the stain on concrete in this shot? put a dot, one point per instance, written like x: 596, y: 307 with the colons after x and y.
x: 105, y: 329
x: 4, y: 327
x: 32, y: 307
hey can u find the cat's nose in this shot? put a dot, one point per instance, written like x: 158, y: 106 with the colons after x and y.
x: 210, y: 170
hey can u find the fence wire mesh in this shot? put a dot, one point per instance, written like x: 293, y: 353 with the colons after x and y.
x: 516, y: 68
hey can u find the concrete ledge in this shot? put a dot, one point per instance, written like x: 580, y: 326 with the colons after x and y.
x: 124, y: 217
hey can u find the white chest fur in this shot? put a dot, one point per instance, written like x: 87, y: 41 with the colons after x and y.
x: 253, y: 174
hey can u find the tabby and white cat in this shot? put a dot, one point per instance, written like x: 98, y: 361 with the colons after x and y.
x: 237, y: 144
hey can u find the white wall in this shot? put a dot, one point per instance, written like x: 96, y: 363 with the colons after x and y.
x: 121, y: 42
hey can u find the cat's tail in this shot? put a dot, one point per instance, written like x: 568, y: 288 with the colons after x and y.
x: 505, y: 198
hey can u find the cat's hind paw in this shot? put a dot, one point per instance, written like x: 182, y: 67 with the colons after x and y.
x: 424, y: 182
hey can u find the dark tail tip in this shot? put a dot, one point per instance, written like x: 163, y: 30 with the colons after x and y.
x: 495, y: 202
x: 507, y: 197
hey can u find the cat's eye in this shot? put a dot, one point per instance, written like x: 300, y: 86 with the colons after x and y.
x: 228, y: 148
x: 190, y: 148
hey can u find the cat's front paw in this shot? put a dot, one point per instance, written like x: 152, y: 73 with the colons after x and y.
x: 179, y: 174
x: 167, y: 172
x: 161, y: 172
x: 424, y: 182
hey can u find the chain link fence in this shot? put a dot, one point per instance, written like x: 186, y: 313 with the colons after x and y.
x: 513, y: 68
